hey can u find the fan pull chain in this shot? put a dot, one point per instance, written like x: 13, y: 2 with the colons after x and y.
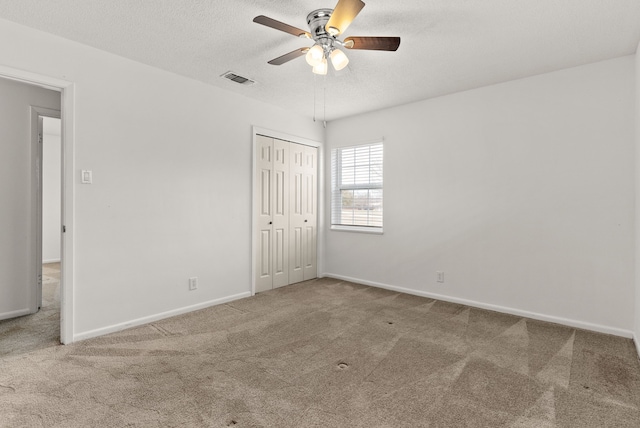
x: 315, y: 87
x: 324, y: 102
x: 324, y: 99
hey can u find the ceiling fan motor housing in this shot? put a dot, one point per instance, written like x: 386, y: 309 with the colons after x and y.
x: 317, y: 20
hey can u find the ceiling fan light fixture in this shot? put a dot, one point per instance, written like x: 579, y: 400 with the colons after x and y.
x: 325, y: 25
x: 315, y: 55
x: 338, y: 59
x: 321, y: 68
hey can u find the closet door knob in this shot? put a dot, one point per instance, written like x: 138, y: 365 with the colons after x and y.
x: 305, y: 221
x: 270, y: 222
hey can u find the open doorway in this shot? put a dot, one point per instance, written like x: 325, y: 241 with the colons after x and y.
x: 31, y: 316
x: 63, y: 92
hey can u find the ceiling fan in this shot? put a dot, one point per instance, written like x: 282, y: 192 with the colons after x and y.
x: 325, y: 26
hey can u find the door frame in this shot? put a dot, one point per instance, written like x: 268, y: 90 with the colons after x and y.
x: 320, y: 195
x: 67, y: 116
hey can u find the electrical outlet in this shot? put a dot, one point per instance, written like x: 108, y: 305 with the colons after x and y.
x: 440, y: 276
x: 193, y: 283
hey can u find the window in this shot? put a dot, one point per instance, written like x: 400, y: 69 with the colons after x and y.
x: 356, y: 188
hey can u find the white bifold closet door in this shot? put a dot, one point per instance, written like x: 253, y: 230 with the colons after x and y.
x: 302, y: 213
x: 285, y: 206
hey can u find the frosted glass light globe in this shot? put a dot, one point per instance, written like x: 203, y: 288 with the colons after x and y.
x: 339, y: 59
x: 315, y: 55
x: 321, y: 68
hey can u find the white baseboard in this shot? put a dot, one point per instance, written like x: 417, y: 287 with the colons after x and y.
x: 533, y: 315
x: 15, y: 314
x: 636, y: 341
x: 151, y: 318
x: 44, y: 262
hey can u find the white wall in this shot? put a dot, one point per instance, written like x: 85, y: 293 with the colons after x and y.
x: 522, y: 193
x: 51, y: 184
x: 17, y: 211
x: 171, y: 192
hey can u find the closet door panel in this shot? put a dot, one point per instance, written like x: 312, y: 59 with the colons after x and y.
x: 280, y: 213
x: 310, y: 215
x: 296, y: 213
x: 263, y: 207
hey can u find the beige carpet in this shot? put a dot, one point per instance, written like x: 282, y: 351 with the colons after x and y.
x: 326, y: 353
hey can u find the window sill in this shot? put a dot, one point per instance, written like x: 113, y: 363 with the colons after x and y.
x: 369, y: 230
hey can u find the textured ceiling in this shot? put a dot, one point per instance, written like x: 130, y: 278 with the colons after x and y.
x: 447, y: 45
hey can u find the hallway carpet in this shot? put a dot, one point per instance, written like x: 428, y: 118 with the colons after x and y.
x: 328, y: 353
x: 40, y: 330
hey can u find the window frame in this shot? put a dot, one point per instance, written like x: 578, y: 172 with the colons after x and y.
x: 337, y: 188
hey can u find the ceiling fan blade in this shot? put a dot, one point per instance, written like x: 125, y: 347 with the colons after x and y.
x: 288, y: 57
x: 270, y: 22
x: 344, y: 13
x: 372, y: 43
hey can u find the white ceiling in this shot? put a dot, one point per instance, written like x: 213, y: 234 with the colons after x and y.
x: 447, y: 45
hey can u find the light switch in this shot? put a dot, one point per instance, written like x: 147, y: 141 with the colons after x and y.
x: 87, y: 177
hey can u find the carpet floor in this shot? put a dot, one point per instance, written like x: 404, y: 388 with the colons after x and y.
x: 327, y: 353
x: 40, y: 330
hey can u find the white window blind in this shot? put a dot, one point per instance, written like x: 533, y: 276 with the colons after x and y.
x: 356, y: 186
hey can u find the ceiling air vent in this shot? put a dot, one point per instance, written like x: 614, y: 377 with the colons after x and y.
x: 238, y: 79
